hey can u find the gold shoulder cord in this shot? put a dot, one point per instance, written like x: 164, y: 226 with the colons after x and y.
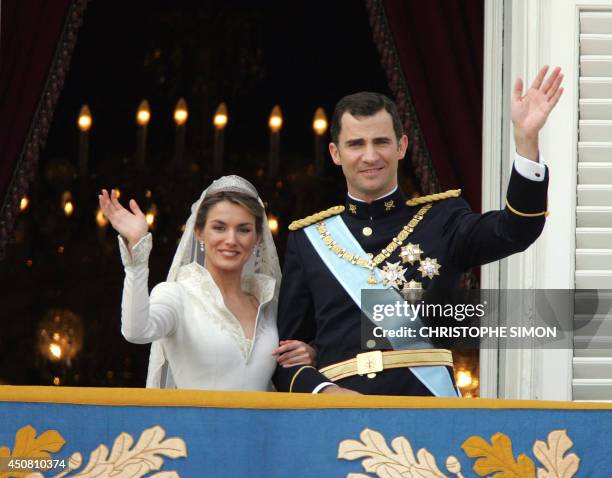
x: 314, y: 218
x: 451, y: 193
x: 370, y: 263
x: 526, y: 214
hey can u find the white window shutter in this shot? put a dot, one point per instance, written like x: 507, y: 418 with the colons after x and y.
x: 592, y: 363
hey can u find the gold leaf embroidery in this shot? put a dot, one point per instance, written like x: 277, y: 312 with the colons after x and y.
x: 551, y: 456
x: 498, y: 458
x: 28, y: 445
x: 4, y: 453
x: 127, y: 462
x: 379, y: 459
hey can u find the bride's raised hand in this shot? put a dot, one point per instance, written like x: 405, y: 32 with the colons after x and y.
x: 131, y: 225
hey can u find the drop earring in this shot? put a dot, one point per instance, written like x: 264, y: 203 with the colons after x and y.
x: 202, y: 246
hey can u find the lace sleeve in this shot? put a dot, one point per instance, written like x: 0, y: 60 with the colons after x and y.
x: 140, y: 252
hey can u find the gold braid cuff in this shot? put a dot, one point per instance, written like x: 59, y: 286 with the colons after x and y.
x: 296, y: 374
x: 526, y: 214
x: 317, y: 217
x: 451, y: 193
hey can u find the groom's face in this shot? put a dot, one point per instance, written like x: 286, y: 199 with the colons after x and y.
x: 368, y: 152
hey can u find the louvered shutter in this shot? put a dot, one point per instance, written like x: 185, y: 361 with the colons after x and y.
x: 592, y: 366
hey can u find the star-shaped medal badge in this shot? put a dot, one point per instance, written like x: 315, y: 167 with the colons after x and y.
x: 412, y: 290
x: 411, y: 253
x: 413, y: 285
x: 429, y: 267
x: 393, y: 275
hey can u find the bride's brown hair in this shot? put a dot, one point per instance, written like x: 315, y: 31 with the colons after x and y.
x: 249, y: 203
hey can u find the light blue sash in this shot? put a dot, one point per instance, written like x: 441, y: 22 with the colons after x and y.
x: 354, y: 278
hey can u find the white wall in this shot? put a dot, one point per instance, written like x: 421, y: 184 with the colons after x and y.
x: 536, y: 32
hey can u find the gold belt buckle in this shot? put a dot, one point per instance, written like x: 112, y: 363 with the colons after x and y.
x: 368, y: 363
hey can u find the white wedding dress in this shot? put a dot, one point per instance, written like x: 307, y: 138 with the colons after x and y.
x: 203, y: 342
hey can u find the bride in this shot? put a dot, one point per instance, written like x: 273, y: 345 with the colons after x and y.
x: 213, y: 322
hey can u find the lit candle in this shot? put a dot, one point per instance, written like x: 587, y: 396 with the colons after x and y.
x: 319, y: 125
x: 101, y: 220
x: 67, y: 204
x: 273, y: 224
x: 275, y: 124
x: 220, y: 122
x: 84, y: 123
x: 143, y: 116
x: 68, y: 208
x: 151, y: 216
x: 180, y: 118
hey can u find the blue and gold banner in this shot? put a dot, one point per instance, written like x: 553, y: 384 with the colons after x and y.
x: 100, y: 432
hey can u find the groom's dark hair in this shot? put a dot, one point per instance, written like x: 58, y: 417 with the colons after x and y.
x: 364, y: 104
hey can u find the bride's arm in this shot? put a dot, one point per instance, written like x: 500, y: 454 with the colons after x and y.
x: 143, y: 318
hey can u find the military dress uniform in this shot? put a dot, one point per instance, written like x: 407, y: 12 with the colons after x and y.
x: 448, y: 239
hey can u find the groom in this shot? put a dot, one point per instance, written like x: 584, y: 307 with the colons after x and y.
x: 331, y: 255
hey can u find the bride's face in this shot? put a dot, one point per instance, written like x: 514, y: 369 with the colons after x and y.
x: 229, y: 236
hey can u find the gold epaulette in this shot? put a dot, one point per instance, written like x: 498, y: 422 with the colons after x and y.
x: 317, y: 217
x: 451, y: 193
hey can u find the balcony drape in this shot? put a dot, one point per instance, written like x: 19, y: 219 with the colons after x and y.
x: 36, y: 44
x: 433, y: 56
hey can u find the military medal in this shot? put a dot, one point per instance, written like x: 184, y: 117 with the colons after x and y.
x: 411, y: 253
x: 393, y: 275
x: 411, y: 290
x: 429, y: 267
x: 372, y: 278
x: 412, y: 285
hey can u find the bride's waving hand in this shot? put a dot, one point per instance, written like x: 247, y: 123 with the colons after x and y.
x: 131, y: 225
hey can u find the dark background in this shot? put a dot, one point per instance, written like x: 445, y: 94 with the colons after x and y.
x: 299, y: 55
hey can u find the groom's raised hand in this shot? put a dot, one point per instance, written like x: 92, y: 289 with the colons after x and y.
x: 530, y: 110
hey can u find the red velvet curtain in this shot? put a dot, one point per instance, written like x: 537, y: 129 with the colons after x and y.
x: 37, y: 40
x: 439, y: 47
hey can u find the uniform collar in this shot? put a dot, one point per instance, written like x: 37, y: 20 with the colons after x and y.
x: 382, y: 207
